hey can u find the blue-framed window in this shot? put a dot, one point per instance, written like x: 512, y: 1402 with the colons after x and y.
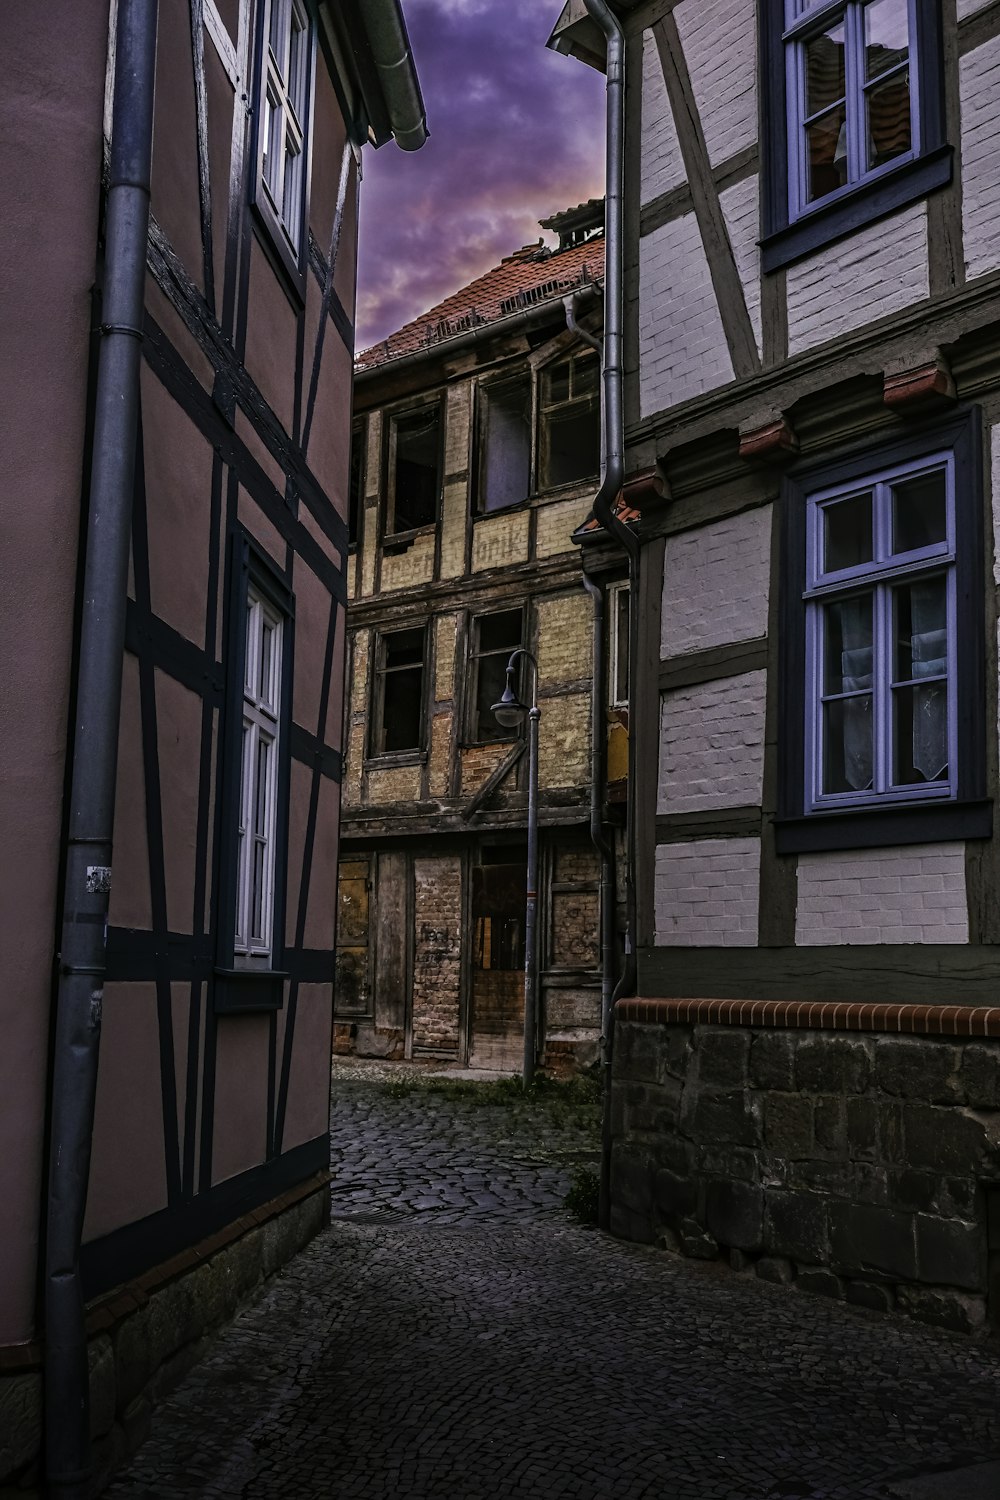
x: 852, y: 96
x: 881, y: 638
x: 882, y: 645
x: 853, y: 116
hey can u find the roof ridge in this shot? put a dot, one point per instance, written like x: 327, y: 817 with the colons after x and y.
x: 519, y: 280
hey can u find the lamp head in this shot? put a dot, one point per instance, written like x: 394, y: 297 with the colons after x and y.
x: 510, y: 710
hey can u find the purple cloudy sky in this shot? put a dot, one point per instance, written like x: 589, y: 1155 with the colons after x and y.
x: 517, y: 133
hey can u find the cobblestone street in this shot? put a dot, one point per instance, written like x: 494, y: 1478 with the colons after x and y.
x: 456, y: 1333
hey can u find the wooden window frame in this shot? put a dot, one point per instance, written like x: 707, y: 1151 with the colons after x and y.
x: 411, y: 755
x: 484, y: 393
x: 807, y: 822
x: 261, y: 727
x: 572, y: 357
x: 475, y: 656
x: 359, y: 447
x: 287, y: 242
x: 792, y: 229
x: 614, y: 593
x: 392, y: 420
x: 245, y: 981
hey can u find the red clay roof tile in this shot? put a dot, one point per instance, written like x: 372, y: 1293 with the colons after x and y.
x: 531, y: 275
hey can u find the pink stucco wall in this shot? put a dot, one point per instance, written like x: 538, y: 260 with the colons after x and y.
x: 50, y: 155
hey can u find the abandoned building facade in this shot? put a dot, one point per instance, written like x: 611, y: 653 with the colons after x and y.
x: 811, y: 281
x: 168, y: 1010
x: 476, y: 456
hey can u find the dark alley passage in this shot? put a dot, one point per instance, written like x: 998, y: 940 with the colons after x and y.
x: 456, y: 1333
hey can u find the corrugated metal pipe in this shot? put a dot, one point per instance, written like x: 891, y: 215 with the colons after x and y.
x: 611, y: 485
x: 83, y: 939
x: 391, y: 50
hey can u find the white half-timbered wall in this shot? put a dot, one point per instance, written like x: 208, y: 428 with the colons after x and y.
x: 699, y: 335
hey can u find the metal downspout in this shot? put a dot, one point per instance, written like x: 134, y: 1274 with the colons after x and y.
x: 598, y: 836
x: 598, y: 738
x: 83, y: 938
x: 611, y: 484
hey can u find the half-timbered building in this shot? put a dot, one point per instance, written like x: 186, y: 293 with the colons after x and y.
x: 476, y: 451
x: 810, y: 278
x: 179, y: 253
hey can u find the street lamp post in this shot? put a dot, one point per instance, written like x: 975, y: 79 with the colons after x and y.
x: 509, y: 712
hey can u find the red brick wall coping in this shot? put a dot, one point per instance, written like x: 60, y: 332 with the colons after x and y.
x: 923, y: 1020
x: 115, y: 1305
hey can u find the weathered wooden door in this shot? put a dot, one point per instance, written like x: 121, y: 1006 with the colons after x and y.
x: 496, y: 1033
x: 353, y: 995
x: 392, y: 980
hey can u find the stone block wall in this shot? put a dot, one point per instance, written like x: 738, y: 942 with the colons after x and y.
x: 860, y: 1166
x: 144, y: 1338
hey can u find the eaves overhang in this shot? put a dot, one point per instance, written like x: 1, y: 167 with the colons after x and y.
x: 576, y: 35
x: 501, y: 328
x: 376, y: 39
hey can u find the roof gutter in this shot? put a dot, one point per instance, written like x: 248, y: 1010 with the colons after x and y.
x: 383, y: 21
x: 518, y: 322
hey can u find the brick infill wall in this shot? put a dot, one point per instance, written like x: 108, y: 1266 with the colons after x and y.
x: 851, y: 1150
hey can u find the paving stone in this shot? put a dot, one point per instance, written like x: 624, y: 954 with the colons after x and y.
x: 493, y: 1346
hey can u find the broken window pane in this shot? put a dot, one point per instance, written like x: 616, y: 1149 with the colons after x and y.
x: 416, y: 477
x: 399, y: 718
x: 356, y: 484
x: 498, y: 902
x: 570, y: 422
x: 505, y: 438
x: 496, y: 637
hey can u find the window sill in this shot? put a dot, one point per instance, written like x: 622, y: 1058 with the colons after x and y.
x: 567, y: 491
x: 290, y: 272
x: 248, y: 991
x: 400, y: 541
x: 867, y: 203
x: 499, y: 739
x: 396, y: 758
x: 502, y: 510
x: 539, y: 498
x: 880, y: 827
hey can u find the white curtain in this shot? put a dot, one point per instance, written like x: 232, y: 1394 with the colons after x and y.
x: 929, y: 655
x: 856, y: 673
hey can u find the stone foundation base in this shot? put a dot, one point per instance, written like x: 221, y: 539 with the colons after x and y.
x: 566, y: 1057
x: 563, y: 1055
x: 362, y: 1039
x: 144, y: 1337
x: 859, y: 1166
